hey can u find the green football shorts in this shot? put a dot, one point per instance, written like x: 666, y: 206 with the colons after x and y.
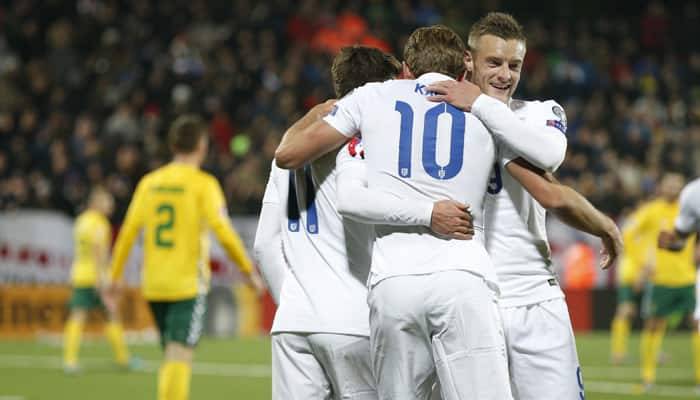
x: 662, y: 301
x: 180, y: 321
x: 85, y: 298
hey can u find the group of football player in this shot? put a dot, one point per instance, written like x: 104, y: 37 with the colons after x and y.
x: 402, y: 232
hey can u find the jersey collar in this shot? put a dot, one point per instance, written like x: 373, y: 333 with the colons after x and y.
x: 431, y: 77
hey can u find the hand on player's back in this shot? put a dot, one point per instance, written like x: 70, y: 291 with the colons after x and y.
x: 452, y: 219
x: 460, y: 94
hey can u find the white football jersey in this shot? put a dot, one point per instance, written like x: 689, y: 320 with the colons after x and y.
x: 328, y: 257
x: 688, y: 219
x: 516, y: 235
x: 418, y: 149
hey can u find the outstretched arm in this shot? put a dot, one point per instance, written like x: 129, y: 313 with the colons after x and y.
x: 544, y: 145
x: 308, y: 139
x: 570, y: 207
x: 360, y: 203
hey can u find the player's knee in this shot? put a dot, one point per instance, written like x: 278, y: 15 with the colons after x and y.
x: 175, y: 351
x: 78, y: 315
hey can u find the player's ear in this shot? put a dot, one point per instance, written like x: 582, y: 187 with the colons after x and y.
x: 469, y: 63
x: 406, y: 73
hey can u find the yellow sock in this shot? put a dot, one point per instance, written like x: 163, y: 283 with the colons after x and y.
x: 174, y: 380
x: 71, y: 342
x: 650, y: 346
x: 620, y: 334
x: 115, y: 334
x: 696, y: 355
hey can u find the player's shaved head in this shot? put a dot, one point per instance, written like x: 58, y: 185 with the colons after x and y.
x: 185, y: 134
x: 356, y: 65
x: 435, y: 49
x: 671, y: 185
x: 498, y: 24
x: 101, y: 200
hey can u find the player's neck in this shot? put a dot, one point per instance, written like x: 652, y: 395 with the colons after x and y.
x: 187, y: 159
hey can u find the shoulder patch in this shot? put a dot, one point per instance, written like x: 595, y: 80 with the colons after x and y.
x: 334, y: 110
x: 559, y: 112
x: 355, y: 148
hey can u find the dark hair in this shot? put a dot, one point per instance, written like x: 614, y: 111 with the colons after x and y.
x: 435, y: 49
x: 498, y: 24
x: 185, y: 133
x: 356, y: 65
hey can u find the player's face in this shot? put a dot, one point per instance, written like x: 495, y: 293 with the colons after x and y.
x: 671, y: 186
x: 495, y: 65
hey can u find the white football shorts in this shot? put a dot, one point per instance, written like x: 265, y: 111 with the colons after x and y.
x: 445, y: 324
x: 321, y: 366
x: 542, y: 352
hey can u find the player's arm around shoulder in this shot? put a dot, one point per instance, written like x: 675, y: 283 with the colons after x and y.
x: 309, y: 138
x: 129, y: 230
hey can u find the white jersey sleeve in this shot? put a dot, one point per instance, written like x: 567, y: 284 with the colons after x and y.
x: 688, y: 220
x: 540, y: 138
x: 357, y: 202
x: 346, y: 114
x: 268, y: 241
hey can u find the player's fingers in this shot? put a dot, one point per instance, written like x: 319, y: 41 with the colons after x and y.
x: 438, y: 98
x: 461, y: 236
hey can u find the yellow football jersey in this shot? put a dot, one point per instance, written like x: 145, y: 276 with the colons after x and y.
x: 673, y: 269
x: 92, y: 236
x: 639, y: 250
x: 176, y: 205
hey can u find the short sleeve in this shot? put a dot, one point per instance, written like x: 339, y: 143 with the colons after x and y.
x: 687, y: 220
x: 345, y: 115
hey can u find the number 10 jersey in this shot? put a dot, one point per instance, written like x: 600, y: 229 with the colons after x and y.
x: 418, y: 149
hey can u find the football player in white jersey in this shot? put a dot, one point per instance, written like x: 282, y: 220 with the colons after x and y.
x: 320, y: 333
x: 541, y: 346
x: 427, y: 294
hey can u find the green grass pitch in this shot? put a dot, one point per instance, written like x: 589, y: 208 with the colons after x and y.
x: 240, y: 369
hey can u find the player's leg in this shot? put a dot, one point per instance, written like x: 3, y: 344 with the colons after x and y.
x: 296, y: 373
x: 346, y: 362
x: 114, y: 331
x: 184, y: 321
x: 659, y: 304
x: 80, y: 304
x: 620, y: 327
x: 468, y: 344
x: 542, y: 352
x: 400, y: 351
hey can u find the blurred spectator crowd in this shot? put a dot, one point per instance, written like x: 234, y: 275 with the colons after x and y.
x: 88, y: 87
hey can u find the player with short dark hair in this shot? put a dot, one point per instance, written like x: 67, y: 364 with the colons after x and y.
x: 176, y: 206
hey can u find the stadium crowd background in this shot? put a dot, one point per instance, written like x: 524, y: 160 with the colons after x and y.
x: 88, y: 87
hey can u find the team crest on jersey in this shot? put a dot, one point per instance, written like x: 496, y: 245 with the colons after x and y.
x: 559, y: 112
x: 355, y: 148
x: 516, y: 105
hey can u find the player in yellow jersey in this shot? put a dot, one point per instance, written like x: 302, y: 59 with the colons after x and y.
x: 639, y: 248
x: 92, y: 235
x: 176, y: 206
x: 672, y: 274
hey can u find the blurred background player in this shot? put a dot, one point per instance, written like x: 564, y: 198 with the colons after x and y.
x: 176, y: 205
x: 93, y: 237
x: 686, y: 224
x: 671, y: 275
x: 638, y: 254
